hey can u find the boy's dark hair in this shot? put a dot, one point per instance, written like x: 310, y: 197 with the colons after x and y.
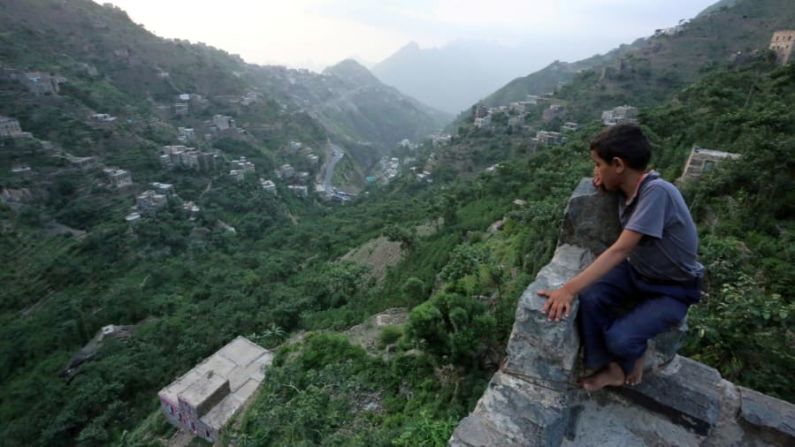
x: 625, y: 141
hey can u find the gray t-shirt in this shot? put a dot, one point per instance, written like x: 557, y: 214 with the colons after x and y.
x: 669, y: 246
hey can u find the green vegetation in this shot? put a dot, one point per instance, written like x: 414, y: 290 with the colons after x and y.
x: 189, y: 286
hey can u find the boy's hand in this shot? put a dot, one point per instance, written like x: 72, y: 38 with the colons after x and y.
x: 597, y: 180
x: 558, y: 303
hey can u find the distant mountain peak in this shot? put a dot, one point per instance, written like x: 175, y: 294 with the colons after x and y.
x: 351, y: 70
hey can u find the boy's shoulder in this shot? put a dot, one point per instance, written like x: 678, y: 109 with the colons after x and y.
x: 654, y: 184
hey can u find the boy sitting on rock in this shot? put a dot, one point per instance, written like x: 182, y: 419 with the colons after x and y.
x: 651, y: 268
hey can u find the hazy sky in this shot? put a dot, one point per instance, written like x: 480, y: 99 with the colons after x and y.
x: 316, y: 33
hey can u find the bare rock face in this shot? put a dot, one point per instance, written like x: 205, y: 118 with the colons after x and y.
x: 533, y: 400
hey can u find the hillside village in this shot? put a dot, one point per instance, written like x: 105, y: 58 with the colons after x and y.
x: 197, y: 247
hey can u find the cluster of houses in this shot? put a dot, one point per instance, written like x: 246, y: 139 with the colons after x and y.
x: 390, y: 167
x: 294, y: 147
x: 619, y: 115
x: 517, y: 111
x: 442, y: 139
x: 240, y: 168
x: 407, y: 144
x: 185, y: 102
x: 179, y: 156
x: 298, y: 179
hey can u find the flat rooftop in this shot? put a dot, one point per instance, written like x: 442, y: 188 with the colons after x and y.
x: 241, y: 362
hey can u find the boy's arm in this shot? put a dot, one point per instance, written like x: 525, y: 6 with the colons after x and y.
x: 559, y: 301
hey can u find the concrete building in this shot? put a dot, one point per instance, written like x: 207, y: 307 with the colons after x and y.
x: 83, y: 163
x: 206, y: 398
x: 552, y: 112
x: 119, y: 178
x: 167, y: 189
x: 702, y: 161
x: 619, y: 115
x: 481, y: 111
x: 483, y: 122
x: 102, y: 118
x: 441, y: 139
x: 240, y: 168
x: 783, y: 44
x: 223, y: 122
x: 148, y: 202
x: 133, y: 217
x: 295, y: 146
x: 42, y: 83
x: 267, y: 186
x: 286, y: 171
x: 192, y: 209
x: 186, y: 134
x: 179, y: 156
x: 569, y: 126
x: 181, y: 109
x: 299, y: 190
x: 9, y: 127
x: 302, y: 177
x: 518, y: 107
x: 546, y: 138
x: 313, y: 159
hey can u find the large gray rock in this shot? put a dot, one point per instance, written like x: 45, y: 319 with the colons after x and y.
x: 591, y: 218
x: 684, y: 390
x: 513, y: 412
x: 539, y: 349
x: 768, y: 413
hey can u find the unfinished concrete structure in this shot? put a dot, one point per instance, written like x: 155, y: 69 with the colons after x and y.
x: 204, y: 399
x: 702, y: 161
x: 783, y: 43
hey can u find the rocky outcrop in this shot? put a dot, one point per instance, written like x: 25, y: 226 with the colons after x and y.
x: 533, y: 400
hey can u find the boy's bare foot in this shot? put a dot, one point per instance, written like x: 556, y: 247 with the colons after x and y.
x: 636, y: 375
x: 611, y: 375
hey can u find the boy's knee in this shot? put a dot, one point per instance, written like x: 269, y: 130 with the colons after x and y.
x: 593, y: 298
x: 623, y: 346
x: 588, y: 298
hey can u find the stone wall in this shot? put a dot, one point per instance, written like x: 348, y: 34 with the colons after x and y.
x: 533, y: 400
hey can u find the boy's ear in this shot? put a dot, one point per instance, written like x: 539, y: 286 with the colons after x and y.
x: 618, y: 163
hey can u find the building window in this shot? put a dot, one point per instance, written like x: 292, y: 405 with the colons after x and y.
x: 709, y: 165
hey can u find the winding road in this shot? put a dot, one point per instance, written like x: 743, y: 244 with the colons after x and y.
x: 336, y: 155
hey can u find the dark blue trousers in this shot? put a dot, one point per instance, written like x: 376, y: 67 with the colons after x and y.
x: 622, y: 311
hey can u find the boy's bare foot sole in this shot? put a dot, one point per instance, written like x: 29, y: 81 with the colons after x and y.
x: 611, y: 375
x: 635, y: 377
